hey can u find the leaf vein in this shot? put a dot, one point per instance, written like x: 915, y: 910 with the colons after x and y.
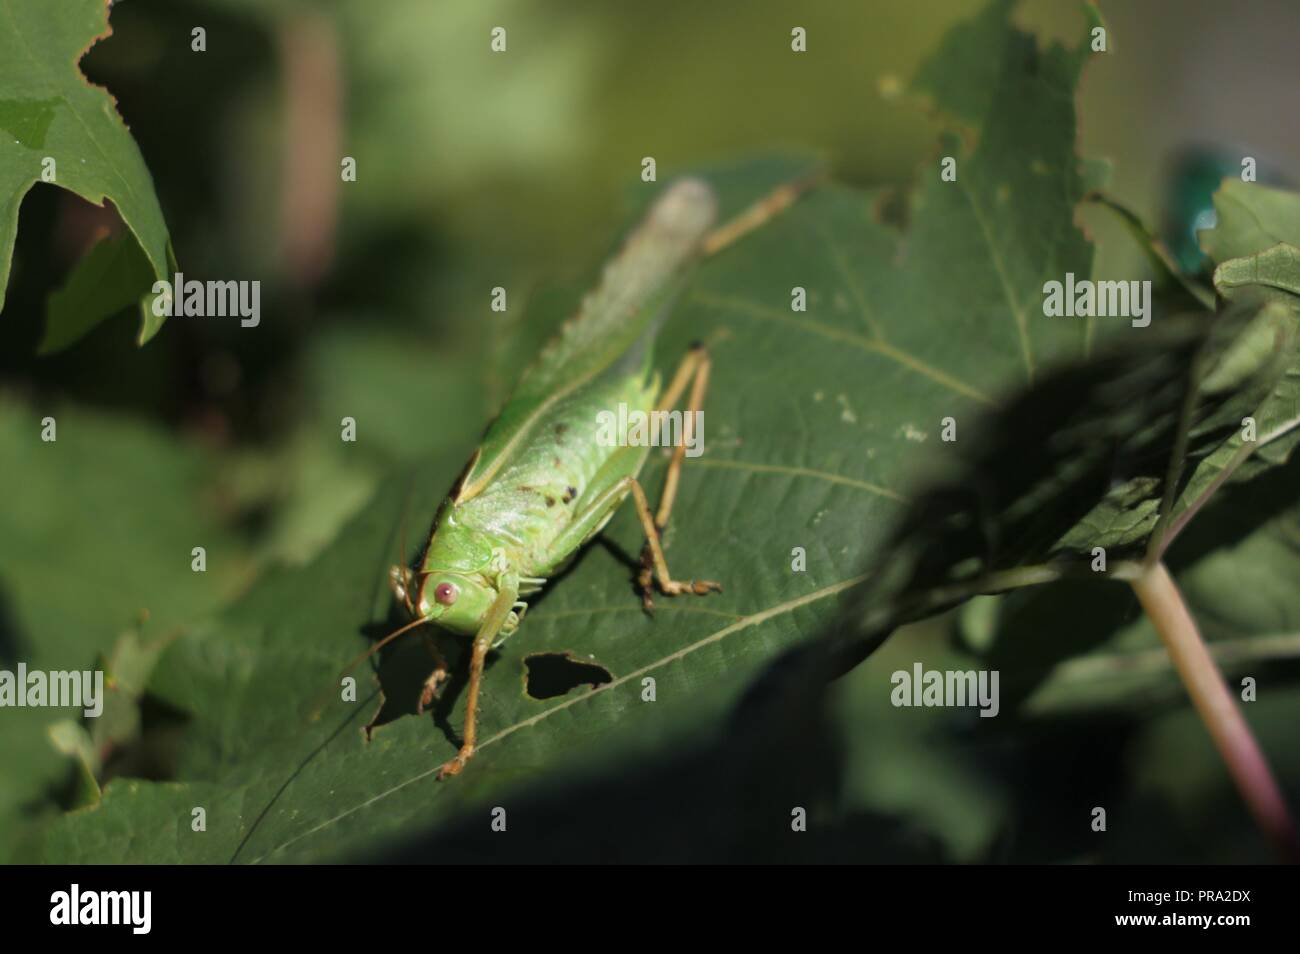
x: 1017, y: 310
x: 801, y: 472
x: 912, y: 363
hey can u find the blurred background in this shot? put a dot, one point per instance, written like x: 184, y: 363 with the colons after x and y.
x: 474, y: 171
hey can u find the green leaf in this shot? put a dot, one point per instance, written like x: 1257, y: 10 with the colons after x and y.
x: 1250, y: 218
x: 105, y: 282
x: 48, y: 111
x: 96, y: 544
x: 1253, y: 245
x: 1277, y: 267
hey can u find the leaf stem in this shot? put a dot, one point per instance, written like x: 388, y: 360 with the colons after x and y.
x: 1163, y: 603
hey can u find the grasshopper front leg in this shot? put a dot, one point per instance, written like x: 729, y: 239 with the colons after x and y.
x: 434, y: 682
x: 496, y: 618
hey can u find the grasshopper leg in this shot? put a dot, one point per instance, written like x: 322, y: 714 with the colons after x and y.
x: 597, y: 511
x: 496, y: 617
x: 608, y: 494
x: 436, y: 678
x: 655, y: 566
x: 693, y: 371
x: 468, y: 737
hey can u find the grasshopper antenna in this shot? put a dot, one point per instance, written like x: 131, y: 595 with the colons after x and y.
x: 401, y: 552
x: 408, y: 578
x: 420, y: 621
x: 320, y: 700
x: 406, y: 599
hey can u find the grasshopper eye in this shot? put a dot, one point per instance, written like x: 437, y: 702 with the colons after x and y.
x: 445, y: 593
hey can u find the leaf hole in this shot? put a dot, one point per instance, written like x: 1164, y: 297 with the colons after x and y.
x: 547, y: 675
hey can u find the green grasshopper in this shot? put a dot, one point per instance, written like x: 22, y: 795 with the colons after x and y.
x: 541, y: 484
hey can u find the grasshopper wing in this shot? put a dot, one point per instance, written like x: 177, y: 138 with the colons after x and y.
x: 624, y: 309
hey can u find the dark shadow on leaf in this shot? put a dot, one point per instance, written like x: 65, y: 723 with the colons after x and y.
x: 1091, y: 439
x: 10, y: 640
x: 732, y: 799
x: 1037, y: 628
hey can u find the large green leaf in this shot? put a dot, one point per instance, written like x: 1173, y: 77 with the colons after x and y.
x: 49, y: 112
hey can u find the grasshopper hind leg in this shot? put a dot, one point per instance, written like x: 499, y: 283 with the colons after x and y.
x: 654, y: 567
x: 692, y: 372
x: 607, y: 493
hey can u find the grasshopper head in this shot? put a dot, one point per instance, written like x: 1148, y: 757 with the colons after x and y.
x: 455, y: 601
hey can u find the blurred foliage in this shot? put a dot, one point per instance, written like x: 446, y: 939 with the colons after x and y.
x: 375, y: 300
